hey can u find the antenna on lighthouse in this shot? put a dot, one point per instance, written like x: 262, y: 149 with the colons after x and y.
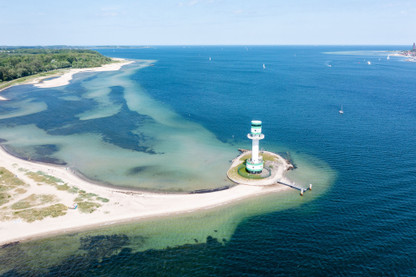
x: 254, y: 165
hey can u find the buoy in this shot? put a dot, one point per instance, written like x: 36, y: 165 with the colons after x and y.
x: 301, y: 192
x: 310, y: 186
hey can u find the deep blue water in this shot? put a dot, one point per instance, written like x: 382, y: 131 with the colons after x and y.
x: 364, y: 225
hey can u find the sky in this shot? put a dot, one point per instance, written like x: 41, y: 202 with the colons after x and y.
x: 207, y: 22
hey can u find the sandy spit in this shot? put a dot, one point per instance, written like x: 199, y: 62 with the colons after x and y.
x: 123, y: 206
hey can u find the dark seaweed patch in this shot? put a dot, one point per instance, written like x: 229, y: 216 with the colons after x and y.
x: 138, y: 169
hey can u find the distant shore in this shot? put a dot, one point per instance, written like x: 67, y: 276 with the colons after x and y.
x: 401, y: 54
x: 120, y: 205
x: 64, y: 76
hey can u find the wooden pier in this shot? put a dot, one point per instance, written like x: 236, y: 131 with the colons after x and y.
x: 296, y: 186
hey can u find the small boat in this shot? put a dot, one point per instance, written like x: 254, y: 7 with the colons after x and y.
x: 388, y: 57
x: 209, y: 58
x: 264, y: 66
x: 341, y: 111
x: 368, y: 62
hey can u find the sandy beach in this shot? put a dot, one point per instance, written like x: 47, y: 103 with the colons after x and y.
x: 123, y: 205
x: 38, y: 199
x: 65, y: 76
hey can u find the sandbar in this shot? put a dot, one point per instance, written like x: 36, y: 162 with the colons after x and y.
x: 123, y: 205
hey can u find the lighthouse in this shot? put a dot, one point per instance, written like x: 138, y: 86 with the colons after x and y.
x: 255, y: 163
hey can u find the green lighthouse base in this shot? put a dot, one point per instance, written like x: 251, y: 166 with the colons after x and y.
x: 273, y: 168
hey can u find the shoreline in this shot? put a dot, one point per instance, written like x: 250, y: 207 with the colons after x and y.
x: 401, y: 54
x: 100, y: 183
x: 63, y: 76
x: 121, y: 205
x: 66, y: 77
x: 124, y: 205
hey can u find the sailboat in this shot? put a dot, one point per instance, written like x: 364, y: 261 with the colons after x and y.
x: 341, y: 111
x: 264, y: 66
x: 209, y: 58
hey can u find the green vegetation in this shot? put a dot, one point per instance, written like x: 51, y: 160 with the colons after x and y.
x: 38, y: 206
x: 20, y: 190
x: 31, y: 215
x: 63, y: 187
x: 82, y: 195
x: 4, y: 198
x: 8, y: 180
x: 245, y: 157
x: 233, y: 172
x: 239, y: 171
x: 22, y: 80
x: 73, y: 190
x: 243, y: 173
x: 86, y: 201
x: 33, y: 200
x: 102, y: 199
x: 22, y: 62
x: 42, y: 177
x: 9, y: 183
x: 87, y: 206
x: 269, y: 157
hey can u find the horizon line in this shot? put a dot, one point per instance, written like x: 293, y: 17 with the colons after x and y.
x: 187, y: 45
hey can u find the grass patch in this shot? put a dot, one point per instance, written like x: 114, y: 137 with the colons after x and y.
x: 42, y: 177
x: 21, y: 205
x: 102, y: 199
x: 4, y: 198
x: 233, y: 172
x: 31, y: 215
x: 243, y: 173
x: 63, y: 187
x: 33, y: 200
x: 73, y: 190
x: 20, y: 191
x: 87, y: 206
x: 245, y: 157
x: 83, y: 195
x: 8, y: 180
x: 269, y: 157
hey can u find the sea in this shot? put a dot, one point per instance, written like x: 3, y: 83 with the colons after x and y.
x: 173, y: 120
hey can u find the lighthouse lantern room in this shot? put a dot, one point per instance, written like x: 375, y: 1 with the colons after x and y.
x: 254, y: 165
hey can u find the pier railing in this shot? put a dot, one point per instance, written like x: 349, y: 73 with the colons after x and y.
x: 296, y: 186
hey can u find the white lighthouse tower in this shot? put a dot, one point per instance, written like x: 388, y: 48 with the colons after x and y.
x: 255, y: 163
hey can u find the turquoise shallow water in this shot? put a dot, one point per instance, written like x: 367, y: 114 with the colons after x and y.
x: 359, y: 221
